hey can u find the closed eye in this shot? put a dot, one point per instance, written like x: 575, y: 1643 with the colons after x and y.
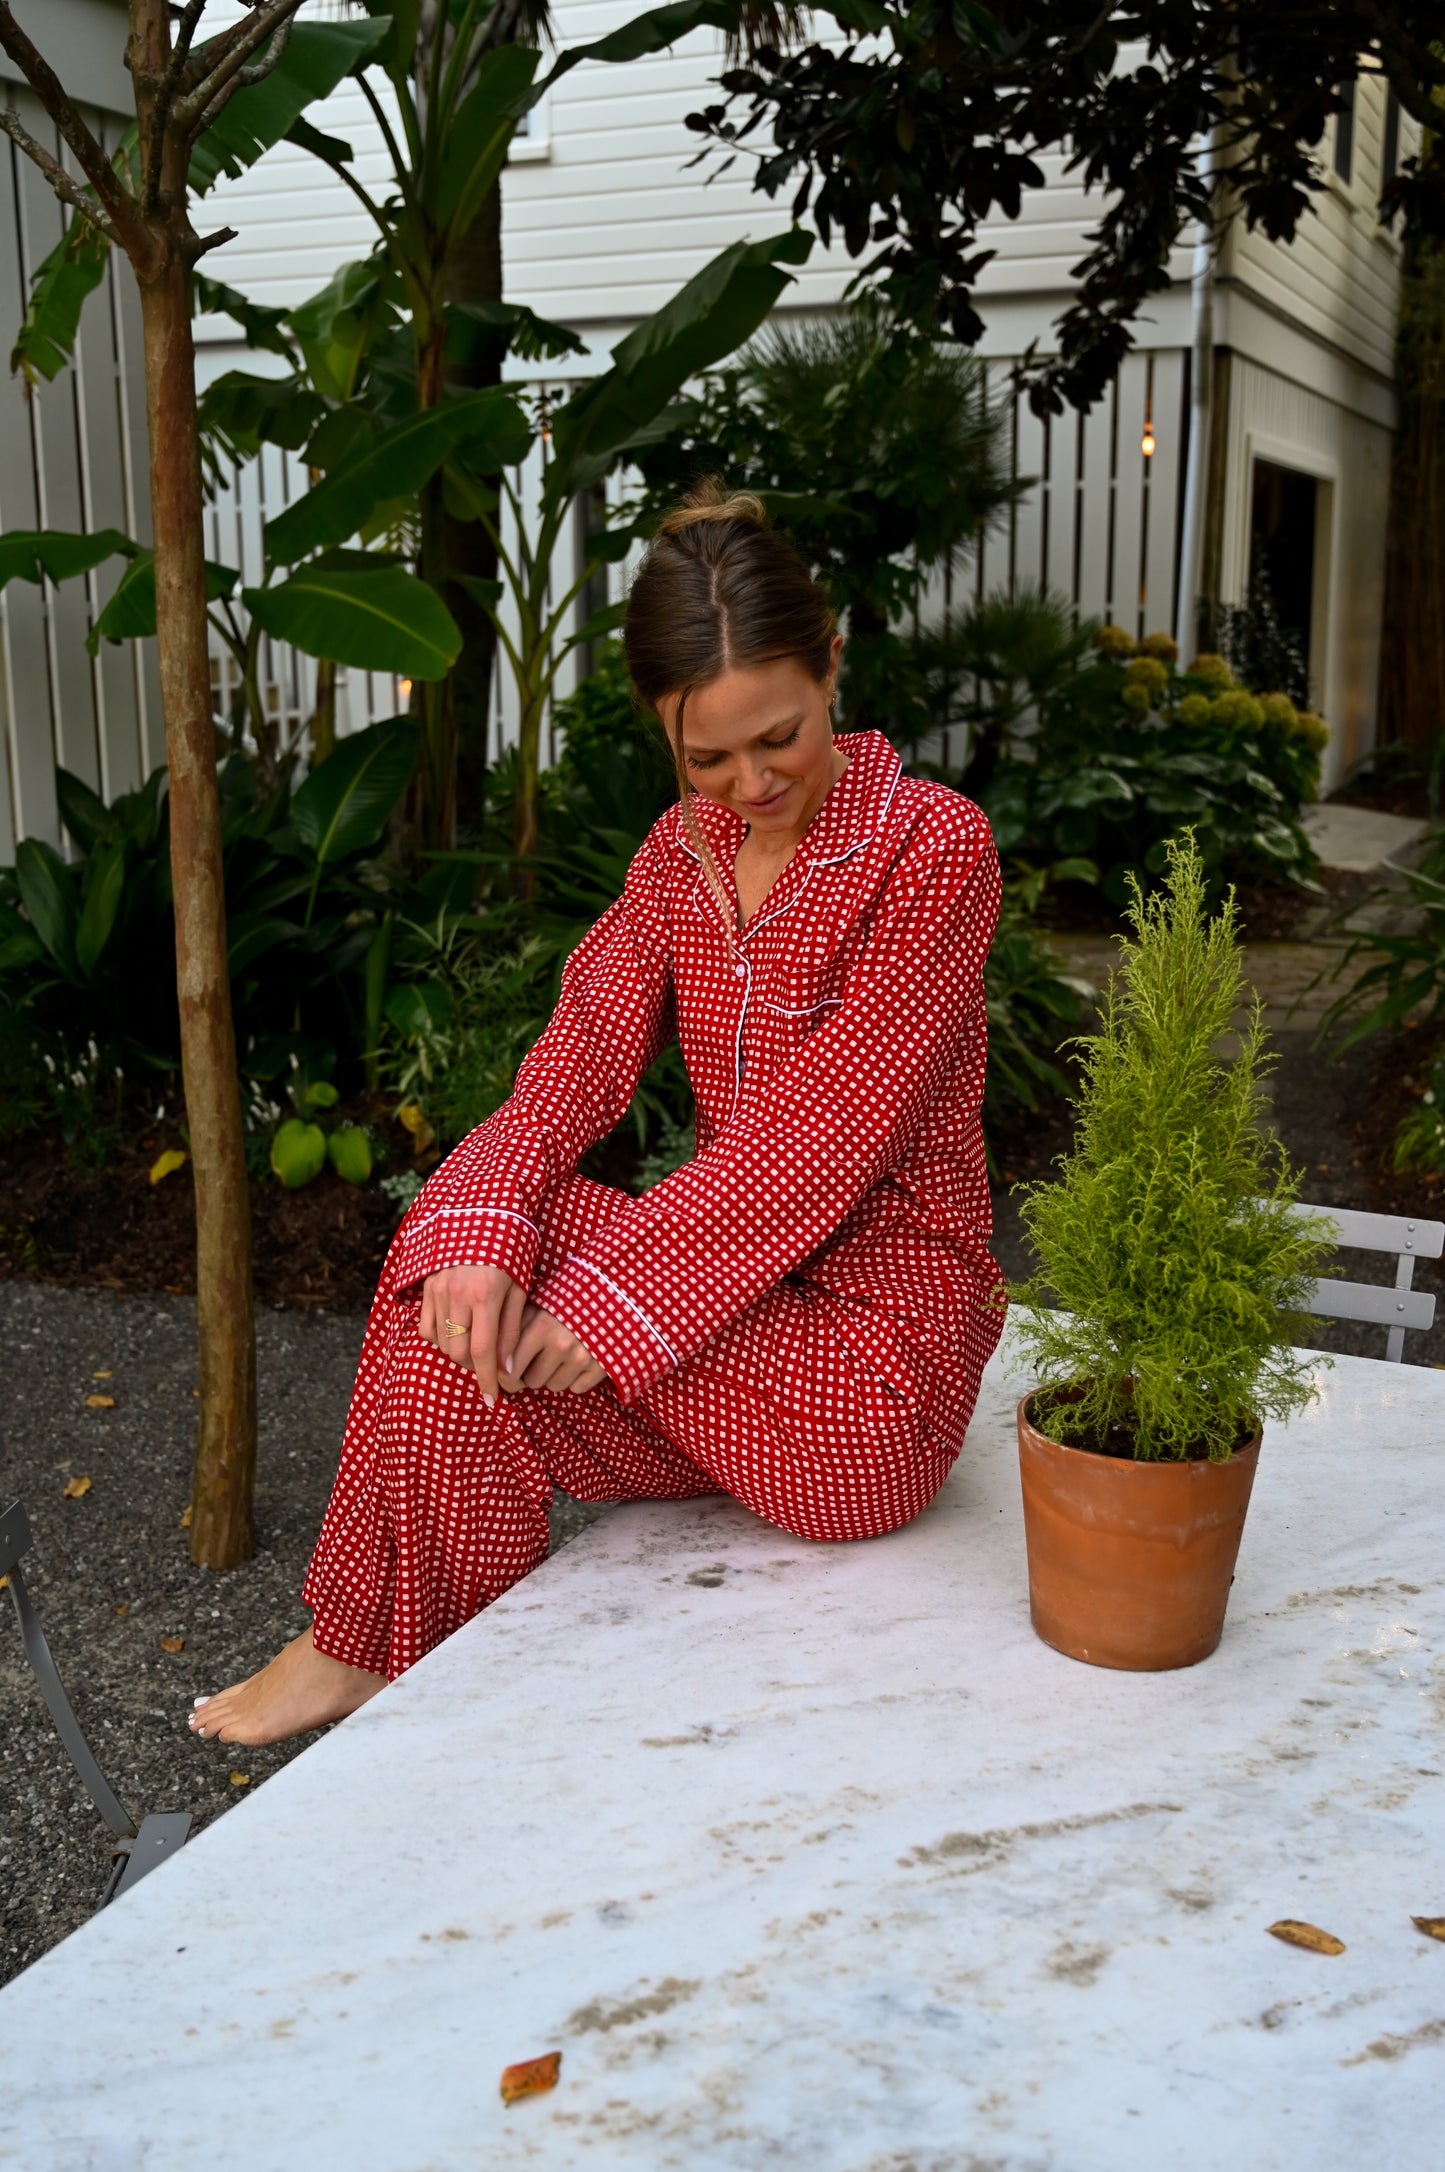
x: 774, y: 746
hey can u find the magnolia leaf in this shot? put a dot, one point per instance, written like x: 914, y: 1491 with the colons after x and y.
x: 1432, y: 1926
x: 350, y: 1153
x: 240, y: 1779
x: 100, y: 1402
x: 105, y: 1373
x: 413, y: 1116
x: 166, y: 1164
x: 75, y: 1489
x: 529, y: 2077
x: 1308, y: 1935
x: 186, y: 1516
x: 173, y: 1644
x: 298, y: 1153
x: 386, y: 620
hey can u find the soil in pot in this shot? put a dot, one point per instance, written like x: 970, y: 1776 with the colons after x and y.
x: 1130, y: 1563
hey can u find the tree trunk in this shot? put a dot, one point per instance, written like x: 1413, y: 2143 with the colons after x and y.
x: 476, y: 276
x: 221, y: 1499
x: 1412, y: 652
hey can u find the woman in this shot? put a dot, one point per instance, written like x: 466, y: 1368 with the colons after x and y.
x: 799, y: 1316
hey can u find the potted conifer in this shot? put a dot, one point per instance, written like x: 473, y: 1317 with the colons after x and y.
x: 1171, y: 1288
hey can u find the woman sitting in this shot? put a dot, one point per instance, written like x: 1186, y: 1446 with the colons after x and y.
x: 797, y: 1317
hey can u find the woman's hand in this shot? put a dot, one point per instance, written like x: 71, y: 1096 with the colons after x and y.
x: 549, y: 1355
x: 474, y: 1314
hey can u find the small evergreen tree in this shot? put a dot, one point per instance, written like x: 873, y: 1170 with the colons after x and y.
x: 1167, y: 1238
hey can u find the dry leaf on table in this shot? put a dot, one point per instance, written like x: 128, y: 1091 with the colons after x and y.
x: 100, y: 1402
x: 166, y: 1164
x: 106, y: 1375
x: 76, y: 1487
x: 1308, y: 1935
x: 240, y: 1779
x: 531, y: 2076
x: 186, y: 1517
x: 173, y: 1644
x: 1432, y: 1926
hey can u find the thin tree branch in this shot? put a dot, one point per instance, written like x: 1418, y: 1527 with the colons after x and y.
x: 212, y: 241
x: 65, y: 186
x: 51, y: 92
x: 255, y: 72
x: 201, y: 104
x: 166, y: 91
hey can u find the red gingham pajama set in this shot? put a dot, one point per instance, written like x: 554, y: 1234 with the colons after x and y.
x: 798, y: 1317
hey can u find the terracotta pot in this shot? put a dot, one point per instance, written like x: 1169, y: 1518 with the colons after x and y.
x: 1130, y: 1564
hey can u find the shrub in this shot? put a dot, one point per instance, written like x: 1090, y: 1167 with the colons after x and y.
x: 1168, y: 1239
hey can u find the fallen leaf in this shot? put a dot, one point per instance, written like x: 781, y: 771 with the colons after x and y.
x: 422, y: 1134
x: 1432, y: 1926
x: 186, y: 1517
x: 176, y: 1289
x: 106, y: 1375
x: 240, y: 1779
x: 75, y: 1487
x: 173, y: 1644
x: 4, y: 1583
x: 197, y: 1393
x: 100, y: 1402
x: 1306, y: 1934
x: 531, y: 2076
x: 123, y: 1609
x: 166, y: 1164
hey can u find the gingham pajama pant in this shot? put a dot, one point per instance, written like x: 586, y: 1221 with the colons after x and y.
x: 440, y: 1505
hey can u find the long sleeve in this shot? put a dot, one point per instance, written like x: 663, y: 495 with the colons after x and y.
x: 850, y: 1107
x: 615, y: 1012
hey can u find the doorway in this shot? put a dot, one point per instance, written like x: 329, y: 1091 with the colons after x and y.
x: 1283, y: 550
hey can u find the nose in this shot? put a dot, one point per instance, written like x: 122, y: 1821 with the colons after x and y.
x: 755, y: 783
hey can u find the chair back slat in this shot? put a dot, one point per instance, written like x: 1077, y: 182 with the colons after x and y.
x: 1373, y: 1302
x: 1376, y: 1303
x: 1360, y: 1232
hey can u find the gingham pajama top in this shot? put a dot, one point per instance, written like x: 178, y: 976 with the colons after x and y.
x: 800, y: 1315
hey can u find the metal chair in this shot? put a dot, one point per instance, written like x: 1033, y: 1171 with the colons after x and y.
x: 138, y: 1849
x: 1396, y: 1308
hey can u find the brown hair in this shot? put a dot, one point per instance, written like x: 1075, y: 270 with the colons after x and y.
x: 719, y: 590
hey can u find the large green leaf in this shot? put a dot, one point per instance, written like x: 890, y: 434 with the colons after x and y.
x: 488, y: 425
x: 241, y: 412
x: 319, y: 56
x: 336, y: 328
x: 347, y: 801
x: 709, y: 318
x: 104, y: 885
x: 261, y: 326
x: 381, y: 620
x: 481, y: 131
x: 83, y: 811
x: 28, y: 553
x: 48, y: 894
x: 131, y: 613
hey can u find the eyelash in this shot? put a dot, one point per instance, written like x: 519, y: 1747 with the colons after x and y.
x: 774, y: 746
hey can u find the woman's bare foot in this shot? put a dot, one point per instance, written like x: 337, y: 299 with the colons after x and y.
x: 301, y: 1688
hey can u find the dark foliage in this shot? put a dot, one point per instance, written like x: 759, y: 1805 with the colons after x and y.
x: 931, y: 118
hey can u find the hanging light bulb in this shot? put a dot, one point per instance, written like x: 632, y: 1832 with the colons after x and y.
x: 1146, y: 442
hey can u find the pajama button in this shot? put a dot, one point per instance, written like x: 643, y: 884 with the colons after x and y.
x: 741, y: 971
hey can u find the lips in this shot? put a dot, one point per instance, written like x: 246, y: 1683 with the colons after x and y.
x: 761, y: 806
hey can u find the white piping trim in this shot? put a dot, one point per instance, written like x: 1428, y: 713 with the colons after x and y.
x: 506, y: 1212
x: 574, y: 1259
x: 808, y: 1010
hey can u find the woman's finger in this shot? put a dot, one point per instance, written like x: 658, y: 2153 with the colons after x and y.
x: 510, y: 1329
x: 427, y: 1325
x: 483, y: 1353
x: 591, y: 1376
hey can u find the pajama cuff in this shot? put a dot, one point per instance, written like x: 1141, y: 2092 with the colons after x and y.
x: 465, y: 1237
x: 632, y: 1351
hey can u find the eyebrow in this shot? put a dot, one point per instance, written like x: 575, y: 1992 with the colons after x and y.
x: 781, y: 725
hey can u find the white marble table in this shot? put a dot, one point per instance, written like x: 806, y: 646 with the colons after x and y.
x: 815, y: 1857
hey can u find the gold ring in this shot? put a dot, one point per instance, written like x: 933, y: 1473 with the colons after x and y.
x: 451, y: 1330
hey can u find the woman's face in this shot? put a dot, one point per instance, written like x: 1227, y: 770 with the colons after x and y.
x: 761, y: 741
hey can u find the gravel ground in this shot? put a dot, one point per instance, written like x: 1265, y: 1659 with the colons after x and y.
x: 110, y: 1574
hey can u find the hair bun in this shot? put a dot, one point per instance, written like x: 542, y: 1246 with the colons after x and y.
x: 708, y: 501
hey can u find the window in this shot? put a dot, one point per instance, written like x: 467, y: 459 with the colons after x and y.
x: 1390, y: 139
x: 1344, y: 158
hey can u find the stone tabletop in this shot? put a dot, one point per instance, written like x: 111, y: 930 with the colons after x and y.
x: 814, y: 1857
